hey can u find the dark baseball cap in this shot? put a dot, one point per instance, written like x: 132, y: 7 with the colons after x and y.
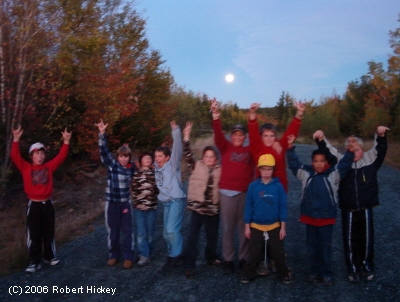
x: 238, y: 127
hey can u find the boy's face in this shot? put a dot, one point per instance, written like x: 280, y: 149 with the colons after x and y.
x: 123, y: 159
x: 319, y: 163
x: 266, y: 172
x: 160, y: 158
x: 38, y: 157
x: 268, y: 138
x: 358, y: 152
x: 238, y: 138
x: 209, y: 158
x: 146, y: 161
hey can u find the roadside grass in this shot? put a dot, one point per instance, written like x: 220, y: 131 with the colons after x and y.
x: 79, y: 205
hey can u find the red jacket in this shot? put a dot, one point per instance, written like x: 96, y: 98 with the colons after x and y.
x: 38, y: 180
x: 257, y: 147
x: 236, y: 162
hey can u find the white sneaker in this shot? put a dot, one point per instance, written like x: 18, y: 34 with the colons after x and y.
x: 53, y: 261
x: 32, y: 268
x: 143, y: 261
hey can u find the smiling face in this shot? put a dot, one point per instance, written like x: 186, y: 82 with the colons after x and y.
x: 319, y: 163
x: 238, y: 138
x: 160, y: 158
x: 38, y: 157
x: 268, y: 138
x: 123, y: 159
x: 209, y: 158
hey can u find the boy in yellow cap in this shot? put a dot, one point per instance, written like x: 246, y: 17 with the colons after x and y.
x: 265, y: 217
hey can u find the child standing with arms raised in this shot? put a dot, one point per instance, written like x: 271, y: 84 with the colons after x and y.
x: 118, y: 207
x: 38, y: 186
x: 168, y: 180
x: 203, y: 202
x: 144, y: 195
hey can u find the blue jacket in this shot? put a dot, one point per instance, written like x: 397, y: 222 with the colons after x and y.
x: 359, y: 189
x: 265, y: 203
x: 319, y: 199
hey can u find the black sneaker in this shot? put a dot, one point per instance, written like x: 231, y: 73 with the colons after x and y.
x: 368, y: 275
x: 228, y: 267
x: 173, y: 262
x: 354, y: 277
x: 328, y: 281
x: 313, y: 278
x: 189, y: 273
x: 53, y: 261
x: 215, y: 262
x: 287, y: 279
x: 32, y: 268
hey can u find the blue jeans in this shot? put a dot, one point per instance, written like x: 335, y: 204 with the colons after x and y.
x: 173, y: 214
x: 319, y: 247
x: 145, y: 226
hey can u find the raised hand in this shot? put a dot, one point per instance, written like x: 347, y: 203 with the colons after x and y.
x: 214, y: 106
x: 319, y: 135
x: 381, y: 130
x: 102, y: 127
x: 301, y: 107
x: 66, y: 136
x: 173, y: 125
x: 187, y: 130
x: 17, y: 133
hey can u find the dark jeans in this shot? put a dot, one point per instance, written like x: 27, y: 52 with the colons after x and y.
x: 275, y: 248
x: 358, y: 240
x: 319, y: 248
x: 211, y: 224
x: 40, y: 221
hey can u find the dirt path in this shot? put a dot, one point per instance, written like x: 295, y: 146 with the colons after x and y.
x: 83, y: 268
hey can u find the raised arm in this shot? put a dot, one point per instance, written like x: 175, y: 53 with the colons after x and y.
x: 219, y: 137
x: 105, y: 154
x: 176, y: 152
x: 187, y: 151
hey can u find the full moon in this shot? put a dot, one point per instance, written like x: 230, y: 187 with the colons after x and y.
x: 229, y: 78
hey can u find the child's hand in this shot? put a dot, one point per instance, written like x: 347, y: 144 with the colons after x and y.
x: 214, y: 106
x: 187, y: 130
x: 247, y: 231
x: 102, y: 127
x: 282, y: 233
x: 254, y: 107
x: 66, y: 136
x: 381, y: 130
x: 291, y: 139
x: 319, y: 135
x: 277, y: 147
x: 17, y: 133
x: 173, y: 125
x: 301, y: 107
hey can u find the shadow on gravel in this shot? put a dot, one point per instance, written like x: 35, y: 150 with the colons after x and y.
x: 84, y: 276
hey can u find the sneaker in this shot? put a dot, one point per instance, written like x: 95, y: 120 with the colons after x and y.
x: 32, y: 268
x: 228, y: 267
x: 173, y: 262
x: 128, y: 264
x: 368, y: 275
x: 262, y: 269
x: 143, y: 261
x: 53, y: 261
x: 328, y: 281
x: 244, y: 280
x: 287, y: 279
x: 215, y: 262
x: 272, y: 266
x: 354, y: 277
x: 112, y: 262
x: 189, y: 273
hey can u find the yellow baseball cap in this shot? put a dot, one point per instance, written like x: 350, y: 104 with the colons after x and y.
x: 266, y: 160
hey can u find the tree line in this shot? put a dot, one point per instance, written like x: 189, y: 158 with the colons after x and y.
x: 69, y: 63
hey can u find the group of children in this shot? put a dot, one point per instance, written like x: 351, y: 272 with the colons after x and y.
x: 223, y: 186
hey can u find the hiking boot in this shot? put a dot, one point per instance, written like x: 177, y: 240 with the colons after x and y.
x: 128, y: 264
x: 143, y: 261
x: 328, y: 281
x: 354, y: 277
x: 53, y: 261
x: 228, y: 267
x: 262, y: 269
x: 112, y: 262
x: 32, y: 268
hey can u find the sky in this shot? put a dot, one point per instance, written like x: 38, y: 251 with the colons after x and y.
x: 310, y: 49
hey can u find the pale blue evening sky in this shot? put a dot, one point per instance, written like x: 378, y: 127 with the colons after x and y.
x: 308, y: 48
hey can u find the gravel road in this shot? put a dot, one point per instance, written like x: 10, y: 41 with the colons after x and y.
x: 84, y: 276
